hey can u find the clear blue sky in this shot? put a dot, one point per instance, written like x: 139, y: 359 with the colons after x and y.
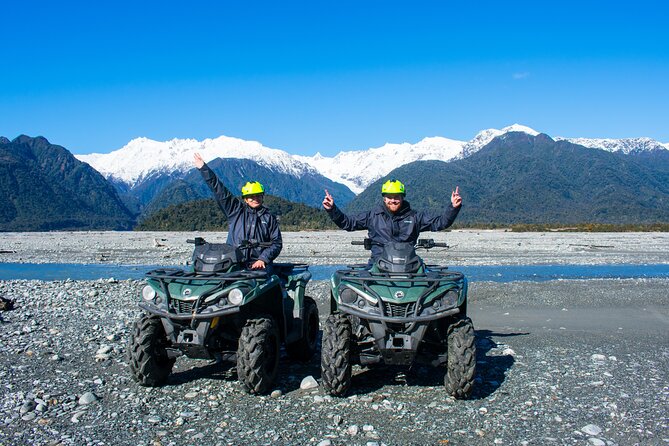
x: 329, y: 76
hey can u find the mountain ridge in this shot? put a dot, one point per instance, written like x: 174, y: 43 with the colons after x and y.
x: 355, y: 169
x: 520, y: 178
x: 44, y: 187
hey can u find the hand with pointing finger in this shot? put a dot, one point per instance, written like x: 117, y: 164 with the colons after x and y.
x: 197, y: 160
x: 328, y: 201
x: 456, y: 199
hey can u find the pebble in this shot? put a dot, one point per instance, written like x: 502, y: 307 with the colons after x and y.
x: 591, y: 429
x: 308, y: 382
x: 28, y: 406
x: 29, y: 416
x: 87, y: 398
x: 154, y: 419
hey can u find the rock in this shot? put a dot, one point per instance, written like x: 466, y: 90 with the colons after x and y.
x: 105, y: 348
x: 591, y: 429
x: 276, y: 394
x: 154, y: 419
x: 76, y: 416
x: 353, y: 430
x: 87, y: 398
x: 308, y: 382
x: 29, y: 416
x: 28, y: 406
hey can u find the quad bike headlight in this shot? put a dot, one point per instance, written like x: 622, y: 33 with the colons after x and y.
x: 348, y: 296
x: 449, y: 300
x: 148, y: 293
x: 235, y: 296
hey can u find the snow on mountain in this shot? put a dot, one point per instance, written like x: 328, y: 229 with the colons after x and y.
x: 142, y: 157
x: 624, y: 145
x: 358, y: 169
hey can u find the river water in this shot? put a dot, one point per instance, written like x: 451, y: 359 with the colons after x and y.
x: 493, y: 273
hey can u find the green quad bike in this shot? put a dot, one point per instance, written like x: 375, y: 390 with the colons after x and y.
x: 397, y: 311
x: 222, y: 310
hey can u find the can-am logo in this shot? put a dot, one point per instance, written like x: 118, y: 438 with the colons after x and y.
x: 187, y: 292
x: 399, y: 294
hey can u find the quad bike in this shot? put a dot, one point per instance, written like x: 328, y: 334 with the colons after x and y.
x: 222, y: 310
x: 396, y: 312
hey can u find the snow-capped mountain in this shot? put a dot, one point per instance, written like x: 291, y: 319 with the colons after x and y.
x: 624, y: 145
x: 143, y: 157
x: 358, y: 169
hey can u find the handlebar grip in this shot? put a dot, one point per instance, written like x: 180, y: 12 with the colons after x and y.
x: 357, y: 242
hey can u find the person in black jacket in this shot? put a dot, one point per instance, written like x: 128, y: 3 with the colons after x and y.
x: 393, y: 220
x: 248, y: 219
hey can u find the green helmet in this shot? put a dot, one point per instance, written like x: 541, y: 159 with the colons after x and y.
x: 393, y: 187
x: 252, y: 188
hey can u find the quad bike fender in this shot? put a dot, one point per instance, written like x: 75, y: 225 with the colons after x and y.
x: 269, y: 302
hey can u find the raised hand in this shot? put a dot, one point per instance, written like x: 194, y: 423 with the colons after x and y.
x: 456, y: 199
x: 328, y: 201
x: 197, y: 160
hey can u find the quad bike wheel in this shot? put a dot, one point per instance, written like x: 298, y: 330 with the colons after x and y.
x: 336, y: 355
x: 147, y: 357
x: 305, y: 347
x: 461, y: 363
x: 258, y: 354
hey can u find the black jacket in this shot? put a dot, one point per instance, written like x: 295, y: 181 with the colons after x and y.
x: 403, y: 226
x: 245, y: 222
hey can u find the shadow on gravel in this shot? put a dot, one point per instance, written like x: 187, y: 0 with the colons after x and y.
x: 491, y: 364
x: 210, y: 369
x: 491, y: 368
x: 289, y: 378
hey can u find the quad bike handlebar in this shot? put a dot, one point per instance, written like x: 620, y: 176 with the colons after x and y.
x: 425, y: 243
x: 244, y: 244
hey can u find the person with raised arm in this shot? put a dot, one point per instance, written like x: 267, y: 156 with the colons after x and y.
x: 247, y: 218
x: 393, y: 220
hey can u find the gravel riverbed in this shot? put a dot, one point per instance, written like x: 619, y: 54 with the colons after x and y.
x: 582, y: 362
